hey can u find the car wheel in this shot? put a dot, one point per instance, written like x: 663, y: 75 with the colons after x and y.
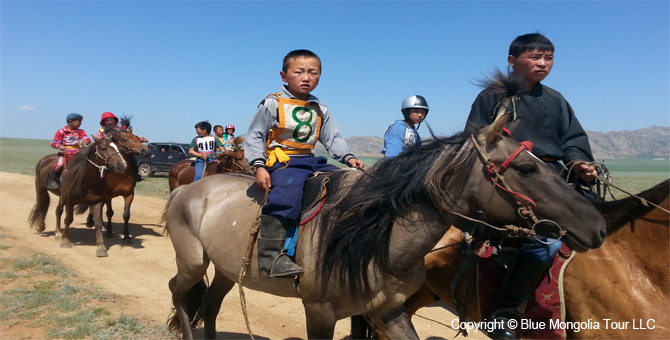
x: 145, y: 170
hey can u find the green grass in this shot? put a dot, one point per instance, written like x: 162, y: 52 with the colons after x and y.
x: 45, y: 294
x: 21, y: 155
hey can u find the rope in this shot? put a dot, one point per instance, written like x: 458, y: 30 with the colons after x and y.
x: 605, y: 180
x: 246, y: 261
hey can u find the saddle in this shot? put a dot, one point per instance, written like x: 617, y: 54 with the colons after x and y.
x: 314, y: 195
x: 482, y: 272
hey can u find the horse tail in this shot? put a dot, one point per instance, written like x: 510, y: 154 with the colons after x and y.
x: 163, y: 219
x: 193, y: 307
x: 81, y: 208
x: 360, y: 328
x: 38, y: 214
x: 39, y: 211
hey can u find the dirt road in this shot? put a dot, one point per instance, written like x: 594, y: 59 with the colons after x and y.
x: 139, y: 272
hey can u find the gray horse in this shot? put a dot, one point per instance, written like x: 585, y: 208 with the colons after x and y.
x: 364, y: 253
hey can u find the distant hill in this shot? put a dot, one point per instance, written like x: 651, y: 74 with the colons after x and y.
x: 651, y: 142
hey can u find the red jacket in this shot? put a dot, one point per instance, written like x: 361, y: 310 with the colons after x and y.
x: 70, y: 139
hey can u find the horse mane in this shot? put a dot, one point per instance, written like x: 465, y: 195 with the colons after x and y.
x: 77, y: 168
x: 358, y: 225
x: 124, y: 123
x: 619, y: 212
x: 508, y: 84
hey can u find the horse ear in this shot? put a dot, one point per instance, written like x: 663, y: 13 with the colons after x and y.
x: 95, y: 139
x: 239, y: 140
x: 495, y: 130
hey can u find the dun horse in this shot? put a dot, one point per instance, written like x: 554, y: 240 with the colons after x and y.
x: 626, y: 279
x: 125, y: 140
x: 232, y: 160
x: 85, y: 182
x: 364, y: 254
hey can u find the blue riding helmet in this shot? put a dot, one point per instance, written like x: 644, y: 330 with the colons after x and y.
x: 72, y: 116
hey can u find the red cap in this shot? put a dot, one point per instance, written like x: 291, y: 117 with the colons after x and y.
x: 108, y: 115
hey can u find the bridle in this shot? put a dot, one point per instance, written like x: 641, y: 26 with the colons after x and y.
x: 105, y: 165
x: 525, y: 203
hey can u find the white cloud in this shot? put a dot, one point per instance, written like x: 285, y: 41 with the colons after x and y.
x: 26, y: 108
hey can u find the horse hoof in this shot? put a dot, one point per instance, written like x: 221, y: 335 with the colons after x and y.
x: 101, y: 253
x: 40, y: 228
x: 65, y: 245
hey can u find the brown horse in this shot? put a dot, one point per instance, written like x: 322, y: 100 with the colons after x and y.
x: 231, y: 160
x: 85, y: 182
x: 128, y: 144
x: 364, y: 254
x: 121, y: 184
x: 628, y: 278
x: 625, y: 280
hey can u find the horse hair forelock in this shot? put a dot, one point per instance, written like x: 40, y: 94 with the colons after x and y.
x: 357, y: 226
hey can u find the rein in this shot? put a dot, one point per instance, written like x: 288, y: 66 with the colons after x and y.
x: 246, y: 260
x: 525, y: 203
x: 603, y: 177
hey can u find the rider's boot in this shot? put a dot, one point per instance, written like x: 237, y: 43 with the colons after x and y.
x: 510, y: 303
x: 136, y: 169
x: 53, y: 179
x: 272, y: 259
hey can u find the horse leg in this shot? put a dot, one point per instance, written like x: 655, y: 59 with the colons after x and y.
x: 320, y: 319
x: 110, y: 212
x: 59, y: 213
x: 211, y: 303
x: 89, y: 219
x: 188, y: 286
x: 96, y: 210
x: 396, y: 323
x: 65, y: 233
x: 128, y: 201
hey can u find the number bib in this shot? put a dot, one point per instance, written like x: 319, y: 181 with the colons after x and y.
x: 206, y: 145
x: 299, y: 123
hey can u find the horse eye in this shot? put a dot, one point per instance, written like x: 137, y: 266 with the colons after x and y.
x: 526, y: 169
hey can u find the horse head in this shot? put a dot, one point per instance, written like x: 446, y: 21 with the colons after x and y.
x: 234, y: 161
x: 124, y: 137
x: 521, y: 190
x: 109, y: 153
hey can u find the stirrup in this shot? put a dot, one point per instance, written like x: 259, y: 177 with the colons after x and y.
x: 292, y: 269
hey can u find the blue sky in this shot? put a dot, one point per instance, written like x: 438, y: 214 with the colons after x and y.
x: 170, y: 64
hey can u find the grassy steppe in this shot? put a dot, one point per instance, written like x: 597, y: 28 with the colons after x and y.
x: 21, y: 155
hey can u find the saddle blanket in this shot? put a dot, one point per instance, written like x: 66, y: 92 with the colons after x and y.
x: 544, y: 306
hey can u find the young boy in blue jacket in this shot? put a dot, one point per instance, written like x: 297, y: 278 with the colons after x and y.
x: 402, y: 133
x: 279, y: 145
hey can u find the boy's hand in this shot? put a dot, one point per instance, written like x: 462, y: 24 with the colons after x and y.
x: 356, y: 163
x: 263, y: 181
